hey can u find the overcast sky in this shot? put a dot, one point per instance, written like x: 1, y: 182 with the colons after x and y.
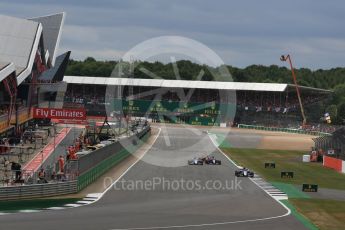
x: 241, y: 32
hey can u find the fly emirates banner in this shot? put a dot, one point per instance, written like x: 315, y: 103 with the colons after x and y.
x: 66, y: 114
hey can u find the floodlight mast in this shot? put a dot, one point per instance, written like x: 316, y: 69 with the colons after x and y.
x: 288, y: 58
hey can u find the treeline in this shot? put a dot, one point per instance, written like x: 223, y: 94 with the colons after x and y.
x: 325, y: 79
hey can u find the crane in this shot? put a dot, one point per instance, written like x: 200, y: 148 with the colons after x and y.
x: 288, y: 58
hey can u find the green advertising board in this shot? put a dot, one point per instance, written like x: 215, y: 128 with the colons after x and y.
x: 178, y: 112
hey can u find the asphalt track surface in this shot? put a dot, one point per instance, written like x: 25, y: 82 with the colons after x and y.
x: 177, y: 207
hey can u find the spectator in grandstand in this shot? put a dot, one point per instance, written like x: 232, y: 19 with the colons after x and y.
x: 3, y: 109
x: 68, y: 155
x: 61, y: 173
x: 17, y: 168
x: 42, y: 177
x: 61, y: 163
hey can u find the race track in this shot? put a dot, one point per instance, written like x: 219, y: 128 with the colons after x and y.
x: 185, y: 198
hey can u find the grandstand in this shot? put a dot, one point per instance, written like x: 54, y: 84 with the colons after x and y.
x: 209, y: 103
x: 29, y: 68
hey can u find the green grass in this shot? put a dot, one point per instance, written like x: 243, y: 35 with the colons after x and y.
x: 12, y: 206
x: 311, y: 173
x: 290, y: 190
x: 325, y: 214
x: 302, y: 218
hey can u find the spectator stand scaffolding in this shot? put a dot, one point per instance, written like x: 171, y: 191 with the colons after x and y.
x: 332, y: 145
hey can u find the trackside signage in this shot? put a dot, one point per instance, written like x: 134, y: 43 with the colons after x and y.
x: 66, y: 114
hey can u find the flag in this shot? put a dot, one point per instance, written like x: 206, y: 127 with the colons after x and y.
x: 327, y: 118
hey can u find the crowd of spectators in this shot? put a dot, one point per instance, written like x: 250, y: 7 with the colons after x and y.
x: 281, y: 104
x: 278, y: 109
x: 318, y: 127
x: 4, y: 145
x: 84, y: 97
x: 3, y: 109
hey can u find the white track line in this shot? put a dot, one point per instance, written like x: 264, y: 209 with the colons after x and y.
x: 94, y: 197
x: 201, y: 225
x: 73, y: 205
x: 227, y: 157
x: 219, y: 223
x: 29, y: 210
x: 98, y: 196
x: 84, y: 202
x: 56, y: 208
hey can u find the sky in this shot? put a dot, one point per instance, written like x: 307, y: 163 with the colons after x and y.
x: 241, y: 33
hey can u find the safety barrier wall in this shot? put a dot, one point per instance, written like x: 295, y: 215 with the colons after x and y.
x: 38, y: 190
x: 100, y: 161
x: 103, y: 161
x: 285, y: 130
x: 95, y: 157
x: 334, y: 163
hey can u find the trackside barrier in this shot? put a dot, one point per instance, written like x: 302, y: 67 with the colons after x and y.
x: 285, y: 130
x: 118, y: 153
x: 334, y: 163
x: 104, y: 161
x: 38, y: 190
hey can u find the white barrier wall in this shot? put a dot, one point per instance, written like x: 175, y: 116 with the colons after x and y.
x: 343, y: 167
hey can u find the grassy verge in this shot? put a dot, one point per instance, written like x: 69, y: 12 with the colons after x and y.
x: 325, y: 214
x: 313, y: 173
x: 12, y: 206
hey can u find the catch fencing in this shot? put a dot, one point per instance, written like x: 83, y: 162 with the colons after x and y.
x: 79, y: 173
x: 285, y: 130
x: 95, y: 164
x: 333, y: 145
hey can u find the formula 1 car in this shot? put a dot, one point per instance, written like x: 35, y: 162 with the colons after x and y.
x: 197, y: 161
x: 211, y: 160
x: 244, y: 172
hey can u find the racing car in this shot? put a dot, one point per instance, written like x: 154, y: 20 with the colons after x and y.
x: 244, y: 172
x: 211, y: 161
x: 196, y: 161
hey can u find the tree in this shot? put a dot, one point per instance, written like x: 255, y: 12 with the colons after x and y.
x: 326, y: 79
x: 90, y: 59
x: 341, y: 111
x: 339, y: 94
x: 333, y: 112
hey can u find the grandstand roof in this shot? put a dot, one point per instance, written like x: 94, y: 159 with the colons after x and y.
x: 20, y: 38
x: 52, y: 25
x: 6, y: 68
x: 248, y: 86
x: 56, y: 73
